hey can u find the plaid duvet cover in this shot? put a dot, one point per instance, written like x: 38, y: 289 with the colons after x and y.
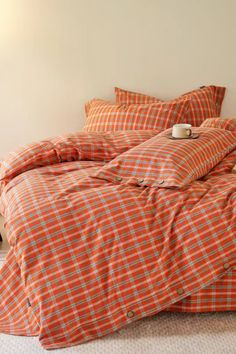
x: 89, y: 256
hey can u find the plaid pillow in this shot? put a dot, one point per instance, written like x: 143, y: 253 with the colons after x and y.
x: 130, y: 97
x: 205, y: 102
x: 224, y: 166
x: 105, y: 116
x: 221, y: 123
x: 162, y: 162
x: 228, y: 163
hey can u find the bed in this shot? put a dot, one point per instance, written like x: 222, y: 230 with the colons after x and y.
x: 93, y: 248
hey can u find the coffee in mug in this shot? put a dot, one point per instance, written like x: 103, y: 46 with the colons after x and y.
x: 181, y: 131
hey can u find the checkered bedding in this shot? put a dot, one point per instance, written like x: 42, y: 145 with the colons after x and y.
x: 90, y: 256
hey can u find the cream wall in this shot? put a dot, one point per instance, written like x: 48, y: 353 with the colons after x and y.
x: 56, y: 54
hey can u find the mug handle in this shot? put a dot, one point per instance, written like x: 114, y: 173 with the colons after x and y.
x: 189, y: 132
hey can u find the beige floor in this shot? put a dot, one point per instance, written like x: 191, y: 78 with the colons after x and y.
x: 165, y: 333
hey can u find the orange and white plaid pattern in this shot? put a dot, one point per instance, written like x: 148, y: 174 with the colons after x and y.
x: 204, y: 103
x: 224, y: 166
x: 103, y: 146
x: 221, y: 123
x: 163, y: 162
x: 89, y: 256
x: 219, y: 296
x: 104, y: 116
x: 228, y: 163
x: 131, y: 97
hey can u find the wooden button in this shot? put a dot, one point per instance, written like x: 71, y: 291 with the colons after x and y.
x: 130, y: 314
x: 226, y: 266
x: 180, y: 291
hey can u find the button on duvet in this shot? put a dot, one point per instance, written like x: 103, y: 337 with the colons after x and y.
x: 130, y: 314
x: 226, y: 266
x: 118, y: 178
x: 180, y: 291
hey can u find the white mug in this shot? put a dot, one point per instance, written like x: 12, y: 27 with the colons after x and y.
x: 181, y: 131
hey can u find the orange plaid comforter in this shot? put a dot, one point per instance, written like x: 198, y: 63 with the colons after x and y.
x: 89, y: 256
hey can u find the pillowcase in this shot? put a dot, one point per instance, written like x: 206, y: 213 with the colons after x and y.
x: 131, y: 97
x: 162, y: 162
x: 205, y: 102
x: 221, y: 123
x: 224, y: 166
x: 105, y: 116
x: 228, y: 163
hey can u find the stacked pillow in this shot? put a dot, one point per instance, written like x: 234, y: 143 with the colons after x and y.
x: 131, y: 97
x: 139, y: 111
x: 205, y: 102
x: 105, y: 116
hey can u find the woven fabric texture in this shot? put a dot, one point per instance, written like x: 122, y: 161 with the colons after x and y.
x: 205, y: 102
x: 104, y: 116
x: 89, y: 256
